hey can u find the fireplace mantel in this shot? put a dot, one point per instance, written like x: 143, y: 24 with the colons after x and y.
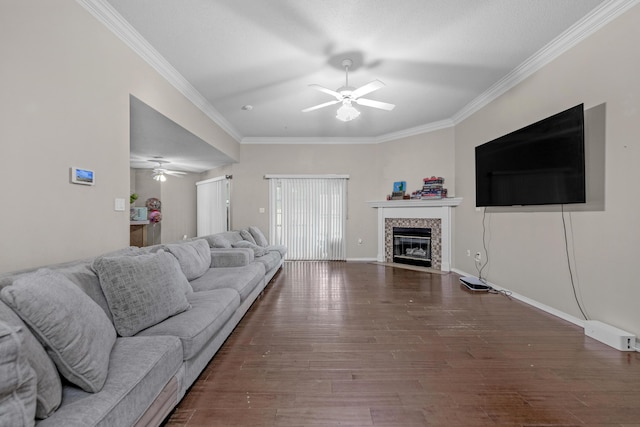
x: 437, y: 209
x: 449, y: 201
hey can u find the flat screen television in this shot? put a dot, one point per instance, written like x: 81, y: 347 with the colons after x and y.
x: 540, y: 164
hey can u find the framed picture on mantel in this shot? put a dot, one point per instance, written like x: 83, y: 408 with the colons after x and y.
x: 400, y: 186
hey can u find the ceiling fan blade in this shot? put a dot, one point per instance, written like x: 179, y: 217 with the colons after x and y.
x: 375, y: 104
x: 175, y: 173
x: 327, y: 91
x: 326, y: 104
x: 368, y: 88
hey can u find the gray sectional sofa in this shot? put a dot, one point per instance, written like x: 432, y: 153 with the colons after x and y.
x: 117, y: 340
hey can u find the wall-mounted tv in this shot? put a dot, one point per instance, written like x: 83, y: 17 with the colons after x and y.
x: 540, y: 164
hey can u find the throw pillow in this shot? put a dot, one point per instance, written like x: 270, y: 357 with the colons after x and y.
x: 142, y: 290
x: 194, y: 257
x: 217, y: 241
x: 49, y: 388
x: 258, y: 236
x: 17, y: 380
x: 257, y: 250
x: 73, y: 329
x: 247, y: 236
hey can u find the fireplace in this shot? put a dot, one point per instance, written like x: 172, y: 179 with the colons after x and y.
x: 433, y: 214
x: 412, y: 246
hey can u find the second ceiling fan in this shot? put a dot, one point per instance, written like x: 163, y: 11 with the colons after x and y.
x: 159, y: 172
x: 348, y: 95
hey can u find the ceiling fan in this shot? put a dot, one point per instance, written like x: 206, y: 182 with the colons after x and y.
x: 347, y: 95
x: 159, y: 172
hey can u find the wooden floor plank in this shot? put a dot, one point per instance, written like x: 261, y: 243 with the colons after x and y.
x: 334, y: 343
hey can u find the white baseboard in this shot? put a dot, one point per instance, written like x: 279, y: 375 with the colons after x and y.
x: 362, y: 259
x: 558, y: 313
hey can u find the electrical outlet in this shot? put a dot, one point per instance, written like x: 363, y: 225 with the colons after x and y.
x: 468, y: 252
x: 478, y: 256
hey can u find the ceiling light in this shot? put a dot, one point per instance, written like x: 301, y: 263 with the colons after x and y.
x: 347, y: 112
x: 347, y: 94
x: 160, y: 177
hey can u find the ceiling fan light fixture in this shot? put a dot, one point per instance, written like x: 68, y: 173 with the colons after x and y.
x: 160, y: 177
x: 347, y: 94
x: 347, y: 112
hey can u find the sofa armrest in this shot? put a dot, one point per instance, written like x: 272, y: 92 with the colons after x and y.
x: 235, y: 257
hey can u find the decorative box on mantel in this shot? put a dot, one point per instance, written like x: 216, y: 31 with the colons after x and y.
x: 434, y: 214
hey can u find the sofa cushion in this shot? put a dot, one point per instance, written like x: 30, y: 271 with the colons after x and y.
x: 231, y: 236
x: 83, y: 275
x: 281, y: 249
x: 258, y: 236
x: 49, y: 387
x: 242, y: 279
x: 71, y: 326
x: 270, y: 260
x: 18, y: 381
x: 194, y: 257
x: 196, y: 327
x: 139, y: 369
x: 257, y: 250
x: 231, y: 257
x: 142, y: 290
x: 217, y: 241
x: 246, y: 235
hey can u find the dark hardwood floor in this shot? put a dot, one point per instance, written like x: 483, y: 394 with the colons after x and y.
x: 361, y: 344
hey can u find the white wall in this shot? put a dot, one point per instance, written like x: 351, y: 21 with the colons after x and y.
x: 65, y: 82
x: 527, y: 251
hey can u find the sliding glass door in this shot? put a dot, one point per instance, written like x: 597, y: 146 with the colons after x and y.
x: 308, y: 216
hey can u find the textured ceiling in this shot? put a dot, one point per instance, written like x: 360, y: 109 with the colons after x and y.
x: 440, y: 60
x: 435, y: 57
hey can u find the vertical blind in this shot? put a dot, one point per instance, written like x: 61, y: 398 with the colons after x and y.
x: 308, y: 216
x: 212, y: 206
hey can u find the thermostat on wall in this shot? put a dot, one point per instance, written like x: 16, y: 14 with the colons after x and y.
x: 82, y: 176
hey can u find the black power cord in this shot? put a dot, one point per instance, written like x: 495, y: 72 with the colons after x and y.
x: 491, y: 289
x: 484, y: 246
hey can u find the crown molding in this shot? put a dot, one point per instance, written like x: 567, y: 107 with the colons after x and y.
x: 431, y: 127
x: 110, y: 18
x: 589, y: 24
x: 582, y: 29
x: 306, y: 140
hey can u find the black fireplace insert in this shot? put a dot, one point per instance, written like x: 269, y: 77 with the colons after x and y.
x: 412, y: 246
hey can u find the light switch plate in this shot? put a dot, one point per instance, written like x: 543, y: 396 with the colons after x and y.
x: 119, y: 205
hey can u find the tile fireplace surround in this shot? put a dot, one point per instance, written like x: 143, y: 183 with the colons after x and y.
x: 434, y: 214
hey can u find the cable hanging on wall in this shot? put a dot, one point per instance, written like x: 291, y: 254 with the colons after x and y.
x: 566, y: 247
